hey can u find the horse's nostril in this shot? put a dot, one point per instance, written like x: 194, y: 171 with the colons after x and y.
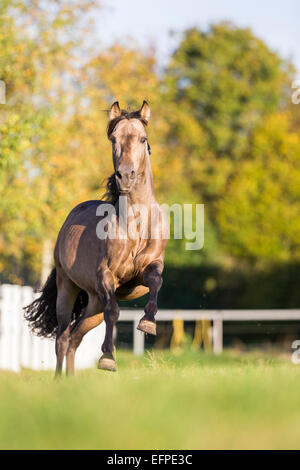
x: 118, y: 174
x: 132, y: 174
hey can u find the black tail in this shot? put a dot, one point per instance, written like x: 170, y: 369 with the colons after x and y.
x: 41, y: 313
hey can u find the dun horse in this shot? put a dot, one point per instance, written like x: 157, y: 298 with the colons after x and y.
x: 93, y: 273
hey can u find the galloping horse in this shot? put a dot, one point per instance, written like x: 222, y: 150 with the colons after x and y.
x: 92, y: 273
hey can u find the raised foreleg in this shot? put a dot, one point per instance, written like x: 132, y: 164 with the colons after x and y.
x: 153, y: 280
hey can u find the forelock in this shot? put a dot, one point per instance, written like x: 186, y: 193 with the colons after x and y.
x: 124, y: 115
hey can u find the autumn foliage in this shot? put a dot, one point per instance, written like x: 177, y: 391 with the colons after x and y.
x: 223, y: 132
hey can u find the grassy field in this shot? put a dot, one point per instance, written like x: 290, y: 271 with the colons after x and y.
x: 161, y: 401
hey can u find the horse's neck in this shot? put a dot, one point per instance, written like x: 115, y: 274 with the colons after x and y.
x: 140, y: 205
x: 143, y: 193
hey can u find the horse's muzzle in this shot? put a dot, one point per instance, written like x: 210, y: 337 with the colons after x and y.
x: 125, y: 181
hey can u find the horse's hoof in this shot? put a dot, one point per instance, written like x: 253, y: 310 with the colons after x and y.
x: 147, y: 327
x: 107, y: 362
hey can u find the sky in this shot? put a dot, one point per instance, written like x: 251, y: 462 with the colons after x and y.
x: 149, y: 22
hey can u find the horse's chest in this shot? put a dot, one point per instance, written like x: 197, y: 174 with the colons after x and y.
x: 131, y: 260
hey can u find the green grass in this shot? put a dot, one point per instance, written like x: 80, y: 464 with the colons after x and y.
x: 162, y: 401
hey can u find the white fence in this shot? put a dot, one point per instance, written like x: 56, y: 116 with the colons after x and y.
x: 20, y: 348
x: 217, y: 318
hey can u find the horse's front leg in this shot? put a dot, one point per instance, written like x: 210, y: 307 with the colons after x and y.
x: 153, y: 280
x: 106, y: 291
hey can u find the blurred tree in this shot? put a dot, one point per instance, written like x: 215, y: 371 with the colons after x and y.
x: 259, y: 215
x: 233, y: 87
x: 228, y: 80
x: 39, y: 59
x: 221, y: 133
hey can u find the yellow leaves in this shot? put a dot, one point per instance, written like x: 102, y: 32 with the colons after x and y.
x: 127, y: 74
x: 215, y: 133
x: 259, y: 215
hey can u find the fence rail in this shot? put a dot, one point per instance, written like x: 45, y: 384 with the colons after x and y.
x: 217, y: 317
x: 20, y: 348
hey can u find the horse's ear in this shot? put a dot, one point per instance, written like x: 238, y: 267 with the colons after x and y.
x: 114, y: 111
x: 145, y: 111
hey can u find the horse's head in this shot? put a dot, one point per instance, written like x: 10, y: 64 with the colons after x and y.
x: 126, y: 131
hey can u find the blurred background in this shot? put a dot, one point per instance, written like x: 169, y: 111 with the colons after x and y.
x: 224, y: 132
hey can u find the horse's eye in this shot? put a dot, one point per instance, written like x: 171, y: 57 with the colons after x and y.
x: 143, y: 140
x: 112, y: 139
